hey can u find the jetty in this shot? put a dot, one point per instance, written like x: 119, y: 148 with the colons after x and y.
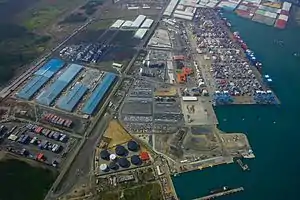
x: 223, y: 193
x: 242, y: 165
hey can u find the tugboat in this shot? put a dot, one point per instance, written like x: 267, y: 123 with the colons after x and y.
x: 223, y: 189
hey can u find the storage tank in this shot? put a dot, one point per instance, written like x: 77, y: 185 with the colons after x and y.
x: 120, y: 150
x: 123, y: 162
x: 113, y: 166
x: 136, y: 160
x: 104, y: 154
x: 133, y: 146
x: 103, y: 167
x: 112, y: 157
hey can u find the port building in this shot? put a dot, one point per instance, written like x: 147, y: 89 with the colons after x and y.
x: 72, y: 98
x: 147, y: 23
x: 138, y: 21
x: 117, y: 24
x: 140, y: 33
x: 98, y: 94
x: 54, y: 90
x: 40, y: 78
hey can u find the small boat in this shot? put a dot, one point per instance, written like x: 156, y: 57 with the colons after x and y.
x: 223, y: 189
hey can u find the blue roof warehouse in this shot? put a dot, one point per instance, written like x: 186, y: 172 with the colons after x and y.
x: 40, y: 77
x: 54, y: 90
x: 98, y: 94
x: 74, y: 95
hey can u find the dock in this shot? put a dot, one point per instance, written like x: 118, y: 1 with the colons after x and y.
x: 219, y: 194
x: 242, y: 165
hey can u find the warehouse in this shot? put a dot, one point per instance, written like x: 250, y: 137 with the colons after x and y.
x: 50, y: 68
x: 127, y: 25
x: 189, y: 98
x: 40, y: 78
x: 147, y: 23
x: 183, y: 17
x: 72, y: 98
x: 52, y: 92
x: 170, y: 8
x: 98, y: 94
x: 140, y: 33
x: 138, y: 21
x: 117, y: 24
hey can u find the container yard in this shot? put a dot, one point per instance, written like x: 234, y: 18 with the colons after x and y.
x: 234, y: 68
x: 260, y: 11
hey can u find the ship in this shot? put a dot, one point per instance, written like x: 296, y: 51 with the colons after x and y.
x: 223, y: 189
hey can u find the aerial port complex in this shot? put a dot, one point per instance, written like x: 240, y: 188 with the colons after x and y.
x: 133, y: 104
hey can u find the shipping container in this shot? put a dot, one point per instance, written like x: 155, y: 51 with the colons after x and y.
x: 280, y: 23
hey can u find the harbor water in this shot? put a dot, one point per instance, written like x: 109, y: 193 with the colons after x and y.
x: 272, y: 130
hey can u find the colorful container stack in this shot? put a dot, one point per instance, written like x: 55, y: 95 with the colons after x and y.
x: 246, y: 9
x: 284, y: 15
x: 229, y: 5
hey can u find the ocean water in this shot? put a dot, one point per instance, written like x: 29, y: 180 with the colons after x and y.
x: 273, y: 131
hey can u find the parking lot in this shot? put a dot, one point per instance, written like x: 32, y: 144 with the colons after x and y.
x: 36, y: 142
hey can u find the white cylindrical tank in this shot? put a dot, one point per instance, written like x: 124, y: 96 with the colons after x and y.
x: 103, y: 167
x: 112, y: 157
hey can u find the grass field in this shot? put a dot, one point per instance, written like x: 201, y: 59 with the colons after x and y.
x: 101, y: 24
x: 46, y: 11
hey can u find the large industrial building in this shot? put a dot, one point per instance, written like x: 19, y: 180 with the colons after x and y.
x: 72, y: 98
x: 127, y: 25
x: 53, y: 91
x: 170, y: 8
x: 138, y: 21
x: 40, y: 78
x: 147, y: 23
x: 140, y: 33
x: 98, y: 94
x: 117, y: 24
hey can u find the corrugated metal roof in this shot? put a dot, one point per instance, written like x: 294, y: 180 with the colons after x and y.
x: 117, y: 24
x: 147, y: 23
x: 138, y: 21
x: 183, y: 17
x: 50, y: 68
x: 170, y: 8
x: 127, y: 24
x: 98, y: 94
x: 70, y: 100
x: 140, y: 33
x: 179, y: 12
x: 32, y: 87
x: 52, y: 92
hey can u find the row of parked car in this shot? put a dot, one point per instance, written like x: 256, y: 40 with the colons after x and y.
x: 48, y: 133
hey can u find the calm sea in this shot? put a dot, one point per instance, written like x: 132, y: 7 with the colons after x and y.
x: 272, y: 130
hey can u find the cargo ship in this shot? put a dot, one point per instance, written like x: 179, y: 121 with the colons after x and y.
x: 223, y: 189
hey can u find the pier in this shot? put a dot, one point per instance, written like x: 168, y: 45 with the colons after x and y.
x: 219, y: 194
x: 242, y: 165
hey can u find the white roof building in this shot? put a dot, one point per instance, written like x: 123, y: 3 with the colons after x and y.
x: 140, y: 33
x: 127, y: 24
x: 147, y: 23
x: 186, y: 17
x: 117, y: 24
x: 170, y: 8
x: 189, y: 98
x: 138, y: 21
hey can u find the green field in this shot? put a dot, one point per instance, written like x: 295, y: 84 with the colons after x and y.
x: 46, y: 11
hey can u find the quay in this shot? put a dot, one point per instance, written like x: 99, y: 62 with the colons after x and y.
x: 242, y: 165
x: 219, y: 194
